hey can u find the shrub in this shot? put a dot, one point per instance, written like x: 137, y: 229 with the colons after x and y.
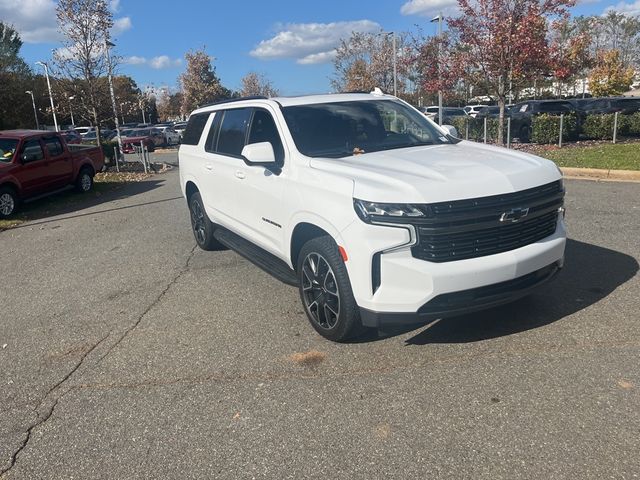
x: 545, y: 128
x: 633, y: 124
x: 600, y: 126
x: 107, y: 149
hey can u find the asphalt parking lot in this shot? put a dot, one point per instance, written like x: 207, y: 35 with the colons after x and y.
x: 125, y: 352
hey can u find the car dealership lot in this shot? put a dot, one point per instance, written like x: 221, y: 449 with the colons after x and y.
x: 129, y: 353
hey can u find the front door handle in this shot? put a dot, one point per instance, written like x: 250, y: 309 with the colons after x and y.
x: 240, y: 175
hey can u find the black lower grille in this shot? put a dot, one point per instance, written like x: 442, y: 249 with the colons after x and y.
x: 479, y: 227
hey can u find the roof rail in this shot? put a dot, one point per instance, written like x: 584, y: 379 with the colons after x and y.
x: 239, y: 99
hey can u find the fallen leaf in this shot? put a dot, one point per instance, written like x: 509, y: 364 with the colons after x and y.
x: 311, y: 358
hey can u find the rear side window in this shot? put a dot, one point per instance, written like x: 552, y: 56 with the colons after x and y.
x: 233, y: 130
x: 195, y: 126
x: 54, y: 146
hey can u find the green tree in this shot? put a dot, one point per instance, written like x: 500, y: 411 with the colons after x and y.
x: 610, y: 76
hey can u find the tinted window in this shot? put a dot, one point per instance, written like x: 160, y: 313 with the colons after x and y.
x: 343, y: 129
x: 263, y: 129
x: 32, y: 150
x: 555, y: 107
x: 233, y: 130
x: 54, y: 146
x: 195, y: 126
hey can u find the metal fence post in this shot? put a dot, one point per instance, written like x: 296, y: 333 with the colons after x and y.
x: 508, y: 132
x: 143, y: 157
x: 115, y: 155
x: 615, y: 127
x: 485, y: 129
x: 466, y: 135
x: 561, y: 129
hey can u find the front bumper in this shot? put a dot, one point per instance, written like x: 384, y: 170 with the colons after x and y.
x: 405, y: 290
x: 466, y: 301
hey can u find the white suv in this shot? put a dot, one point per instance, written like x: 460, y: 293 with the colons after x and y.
x: 379, y: 216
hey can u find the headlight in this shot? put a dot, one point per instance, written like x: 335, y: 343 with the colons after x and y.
x: 371, y: 211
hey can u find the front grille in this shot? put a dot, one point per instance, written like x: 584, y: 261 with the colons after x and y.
x: 473, y: 228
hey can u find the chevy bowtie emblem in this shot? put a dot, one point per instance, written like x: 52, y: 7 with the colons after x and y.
x: 514, y: 215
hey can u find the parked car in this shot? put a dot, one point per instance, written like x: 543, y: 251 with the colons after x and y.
x: 132, y: 138
x: 472, y: 110
x: 71, y: 136
x: 489, y: 112
x: 34, y: 163
x: 171, y: 137
x: 522, y: 114
x: 448, y: 114
x: 92, y: 137
x: 430, y: 112
x: 179, y: 128
x: 380, y: 217
x: 591, y: 106
x: 82, y: 131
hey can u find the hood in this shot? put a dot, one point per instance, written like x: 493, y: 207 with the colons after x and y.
x: 437, y: 173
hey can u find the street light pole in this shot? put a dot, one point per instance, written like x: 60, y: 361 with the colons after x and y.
x: 53, y: 109
x: 35, y: 112
x: 439, y: 20
x: 107, y: 46
x: 73, y: 123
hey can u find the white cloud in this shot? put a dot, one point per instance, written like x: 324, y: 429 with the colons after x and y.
x: 429, y: 8
x: 35, y: 20
x: 114, y: 6
x: 628, y: 8
x: 121, y: 25
x: 310, y: 43
x: 158, y: 63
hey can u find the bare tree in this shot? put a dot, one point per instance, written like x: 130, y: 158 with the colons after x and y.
x: 85, y: 25
x: 257, y: 84
x: 365, y: 61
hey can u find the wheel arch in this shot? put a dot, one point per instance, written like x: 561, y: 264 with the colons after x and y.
x: 189, y: 189
x: 301, y: 234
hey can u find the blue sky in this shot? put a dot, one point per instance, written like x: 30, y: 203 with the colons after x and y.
x: 290, y: 41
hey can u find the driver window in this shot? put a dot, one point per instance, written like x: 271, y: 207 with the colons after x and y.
x: 263, y: 129
x: 32, y: 151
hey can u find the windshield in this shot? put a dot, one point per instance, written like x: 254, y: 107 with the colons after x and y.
x: 7, y: 149
x: 342, y: 129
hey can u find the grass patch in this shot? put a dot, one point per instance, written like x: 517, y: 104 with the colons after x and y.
x: 624, y: 156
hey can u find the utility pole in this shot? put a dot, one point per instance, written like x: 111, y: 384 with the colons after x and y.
x: 53, y: 109
x: 73, y: 123
x: 35, y: 112
x: 439, y: 20
x: 107, y: 46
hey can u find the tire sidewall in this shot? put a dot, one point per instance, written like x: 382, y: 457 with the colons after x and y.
x: 15, y: 198
x: 349, y: 323
x: 80, y: 184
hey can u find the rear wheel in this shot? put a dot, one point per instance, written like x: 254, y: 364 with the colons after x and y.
x: 84, y: 182
x: 202, y: 227
x: 325, y: 290
x: 8, y: 202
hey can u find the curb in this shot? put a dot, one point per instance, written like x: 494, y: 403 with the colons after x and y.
x: 600, y: 174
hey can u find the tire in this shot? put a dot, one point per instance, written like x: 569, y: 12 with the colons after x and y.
x: 84, y: 181
x: 9, y: 202
x: 325, y: 292
x: 201, y: 226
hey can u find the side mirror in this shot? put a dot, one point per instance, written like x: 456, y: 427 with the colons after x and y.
x: 451, y: 130
x: 259, y: 154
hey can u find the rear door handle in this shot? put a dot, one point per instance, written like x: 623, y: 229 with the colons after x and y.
x: 240, y: 175
x: 208, y: 166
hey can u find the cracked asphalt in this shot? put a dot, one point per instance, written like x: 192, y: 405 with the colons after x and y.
x: 125, y: 352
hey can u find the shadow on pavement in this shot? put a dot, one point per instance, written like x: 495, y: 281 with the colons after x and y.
x: 69, y: 201
x: 590, y: 274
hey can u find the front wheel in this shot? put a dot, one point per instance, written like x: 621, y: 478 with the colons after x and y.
x: 8, y: 202
x: 325, y: 290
